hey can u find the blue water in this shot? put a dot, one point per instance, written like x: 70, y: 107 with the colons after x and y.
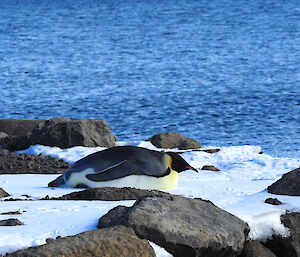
x: 222, y: 72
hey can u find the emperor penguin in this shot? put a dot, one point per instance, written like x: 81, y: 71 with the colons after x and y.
x: 126, y: 166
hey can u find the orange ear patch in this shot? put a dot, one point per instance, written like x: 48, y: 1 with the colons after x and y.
x: 170, y: 162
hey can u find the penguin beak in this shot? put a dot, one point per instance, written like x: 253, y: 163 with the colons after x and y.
x: 191, y: 168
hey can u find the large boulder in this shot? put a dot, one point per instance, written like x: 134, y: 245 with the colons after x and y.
x: 287, y: 185
x: 113, y: 242
x: 110, y: 194
x: 3, y: 137
x: 183, y: 226
x: 5, y: 140
x: 16, y: 143
x: 169, y: 140
x: 15, y: 127
x: 62, y: 132
x: 256, y: 249
x: 287, y: 246
x: 66, y: 133
x: 13, y: 163
x: 16, y: 134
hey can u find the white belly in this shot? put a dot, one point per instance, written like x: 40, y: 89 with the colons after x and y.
x: 137, y: 181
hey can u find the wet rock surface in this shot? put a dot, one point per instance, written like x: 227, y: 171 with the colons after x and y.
x: 183, y: 226
x: 114, y: 242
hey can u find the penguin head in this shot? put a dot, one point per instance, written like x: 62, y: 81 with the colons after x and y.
x: 178, y: 163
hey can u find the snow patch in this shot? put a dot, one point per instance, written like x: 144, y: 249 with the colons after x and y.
x: 239, y: 188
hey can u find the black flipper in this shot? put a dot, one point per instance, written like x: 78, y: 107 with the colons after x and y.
x: 126, y: 168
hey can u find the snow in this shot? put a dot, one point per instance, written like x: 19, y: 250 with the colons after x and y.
x: 239, y: 188
x: 49, y: 219
x: 159, y: 251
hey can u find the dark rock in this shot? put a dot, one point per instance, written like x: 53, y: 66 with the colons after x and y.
x: 16, y: 134
x: 62, y: 132
x: 116, y: 216
x: 169, y: 140
x: 114, y: 242
x: 10, y: 222
x: 183, y: 226
x: 289, y: 246
x: 13, y: 163
x: 65, y: 133
x: 4, y: 138
x: 273, y: 201
x: 256, y: 249
x: 3, y: 193
x: 211, y: 150
x: 209, y: 167
x: 14, y: 127
x: 81, y: 185
x: 16, y: 143
x: 111, y: 194
x: 3, y: 135
x: 49, y: 240
x: 287, y: 185
x: 16, y: 199
x: 11, y: 213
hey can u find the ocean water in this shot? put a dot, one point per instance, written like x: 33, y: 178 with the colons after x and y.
x: 222, y: 72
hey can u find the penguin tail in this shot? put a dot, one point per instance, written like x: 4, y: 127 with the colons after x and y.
x: 59, y: 181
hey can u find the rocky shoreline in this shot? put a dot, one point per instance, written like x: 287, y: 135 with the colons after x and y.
x: 13, y: 163
x: 183, y: 226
